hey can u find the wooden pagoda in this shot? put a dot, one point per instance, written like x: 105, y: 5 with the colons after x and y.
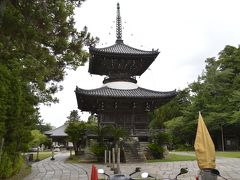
x: 120, y: 101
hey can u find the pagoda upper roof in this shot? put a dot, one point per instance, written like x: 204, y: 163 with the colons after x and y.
x: 125, y: 93
x: 120, y: 58
x: 119, y: 48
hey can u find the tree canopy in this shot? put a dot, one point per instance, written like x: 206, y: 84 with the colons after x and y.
x: 76, y: 130
x: 38, y: 42
x: 216, y: 94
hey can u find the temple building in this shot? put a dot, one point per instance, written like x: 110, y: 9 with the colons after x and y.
x: 120, y: 101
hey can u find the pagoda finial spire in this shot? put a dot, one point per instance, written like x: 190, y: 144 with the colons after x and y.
x: 118, y: 26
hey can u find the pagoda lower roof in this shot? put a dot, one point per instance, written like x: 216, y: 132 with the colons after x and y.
x: 111, y: 98
x: 125, y: 93
x: 122, y: 49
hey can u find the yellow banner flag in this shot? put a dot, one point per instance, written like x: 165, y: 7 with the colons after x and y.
x: 204, y: 147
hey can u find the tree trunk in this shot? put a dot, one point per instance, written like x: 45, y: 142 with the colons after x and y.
x: 1, y: 148
x: 2, y: 8
x: 222, y: 138
x: 75, y: 149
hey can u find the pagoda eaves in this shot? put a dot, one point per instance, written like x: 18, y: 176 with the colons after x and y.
x: 107, y: 99
x: 120, y: 58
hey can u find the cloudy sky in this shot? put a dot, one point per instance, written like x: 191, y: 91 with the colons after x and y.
x: 186, y: 32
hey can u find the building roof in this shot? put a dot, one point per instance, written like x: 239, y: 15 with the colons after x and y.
x: 125, y: 93
x: 122, y: 49
x: 109, y: 99
x: 120, y: 59
x: 57, y: 132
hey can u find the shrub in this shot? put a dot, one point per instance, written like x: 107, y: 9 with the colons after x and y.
x: 161, y: 138
x: 8, y: 167
x: 185, y: 147
x: 156, y: 151
x: 98, y: 150
x: 18, y: 163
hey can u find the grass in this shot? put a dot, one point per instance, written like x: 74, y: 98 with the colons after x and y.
x: 73, y: 159
x: 76, y: 159
x: 42, y: 155
x: 171, y: 158
x: 174, y: 157
x: 230, y: 154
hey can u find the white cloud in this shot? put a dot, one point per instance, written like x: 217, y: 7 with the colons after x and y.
x: 186, y: 33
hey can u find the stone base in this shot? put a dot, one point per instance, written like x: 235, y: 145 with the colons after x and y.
x: 205, y: 174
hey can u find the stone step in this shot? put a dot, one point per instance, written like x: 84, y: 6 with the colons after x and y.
x: 133, y: 152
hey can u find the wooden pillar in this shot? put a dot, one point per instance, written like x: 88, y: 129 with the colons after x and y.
x: 109, y: 158
x: 52, y: 153
x: 37, y: 153
x: 113, y: 158
x: 105, y: 157
x: 132, y: 124
x: 118, y: 161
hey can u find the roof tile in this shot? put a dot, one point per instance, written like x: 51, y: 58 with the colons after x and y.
x: 129, y: 93
x: 121, y: 48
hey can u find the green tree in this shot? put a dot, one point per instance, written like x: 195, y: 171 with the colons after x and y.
x: 76, y: 131
x: 42, y: 127
x: 216, y: 94
x: 101, y: 132
x: 172, y: 117
x: 174, y: 108
x: 220, y: 92
x: 92, y: 119
x: 38, y: 42
x: 38, y: 138
x: 73, y: 116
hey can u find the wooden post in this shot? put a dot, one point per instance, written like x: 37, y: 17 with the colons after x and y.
x: 118, y: 161
x: 109, y: 158
x: 105, y: 157
x: 37, y: 154
x: 113, y: 158
x: 70, y: 153
x: 52, y: 153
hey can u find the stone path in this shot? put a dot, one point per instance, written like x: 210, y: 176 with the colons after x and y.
x: 58, y: 170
